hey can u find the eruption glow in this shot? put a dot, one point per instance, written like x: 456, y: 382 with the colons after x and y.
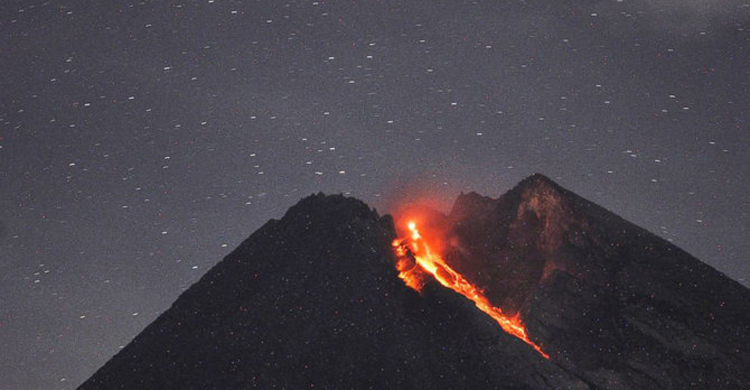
x: 416, y: 261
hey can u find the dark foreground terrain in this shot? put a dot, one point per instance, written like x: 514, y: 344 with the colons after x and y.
x: 313, y: 301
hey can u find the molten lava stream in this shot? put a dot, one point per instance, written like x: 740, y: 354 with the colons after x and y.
x: 430, y: 263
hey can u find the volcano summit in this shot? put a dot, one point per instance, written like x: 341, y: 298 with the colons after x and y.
x: 315, y: 300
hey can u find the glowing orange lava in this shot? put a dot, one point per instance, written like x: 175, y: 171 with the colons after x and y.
x: 416, y: 261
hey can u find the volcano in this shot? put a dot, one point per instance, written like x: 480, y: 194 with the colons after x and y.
x: 322, y: 298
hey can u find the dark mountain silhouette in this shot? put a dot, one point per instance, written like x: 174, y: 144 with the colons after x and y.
x: 610, y: 302
x: 313, y: 301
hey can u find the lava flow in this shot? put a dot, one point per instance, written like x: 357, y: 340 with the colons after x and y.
x: 416, y: 261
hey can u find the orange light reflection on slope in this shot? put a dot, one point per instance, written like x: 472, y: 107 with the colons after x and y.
x: 414, y: 271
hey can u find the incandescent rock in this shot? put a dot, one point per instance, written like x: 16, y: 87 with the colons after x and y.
x: 313, y: 300
x: 612, y: 303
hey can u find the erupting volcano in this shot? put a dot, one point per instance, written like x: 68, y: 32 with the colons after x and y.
x: 314, y: 300
x: 416, y: 261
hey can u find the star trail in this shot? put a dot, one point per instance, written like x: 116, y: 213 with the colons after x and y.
x: 140, y: 142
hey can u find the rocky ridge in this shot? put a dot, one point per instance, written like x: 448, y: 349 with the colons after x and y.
x: 313, y: 300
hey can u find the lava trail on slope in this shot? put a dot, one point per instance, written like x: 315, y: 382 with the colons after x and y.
x: 417, y: 262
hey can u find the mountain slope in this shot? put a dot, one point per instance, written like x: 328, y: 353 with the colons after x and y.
x: 611, y: 302
x: 313, y: 300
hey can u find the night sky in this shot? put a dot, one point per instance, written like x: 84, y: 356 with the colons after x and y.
x: 141, y: 142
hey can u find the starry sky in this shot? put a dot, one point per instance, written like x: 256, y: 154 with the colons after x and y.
x: 140, y: 142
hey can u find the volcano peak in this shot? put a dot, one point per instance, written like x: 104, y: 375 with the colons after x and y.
x: 537, y: 179
x: 322, y: 206
x: 611, y: 305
